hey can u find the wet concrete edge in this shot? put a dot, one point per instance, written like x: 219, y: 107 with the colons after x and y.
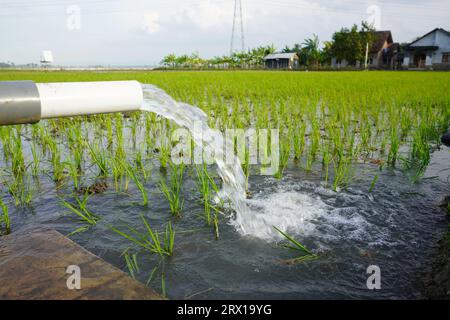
x: 33, y: 266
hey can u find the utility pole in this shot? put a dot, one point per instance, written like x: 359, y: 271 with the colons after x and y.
x: 367, y: 57
x: 238, y: 26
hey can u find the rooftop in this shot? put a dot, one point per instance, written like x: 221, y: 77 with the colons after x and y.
x: 380, y: 38
x: 288, y: 55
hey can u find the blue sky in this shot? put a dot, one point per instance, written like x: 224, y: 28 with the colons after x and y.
x: 141, y: 32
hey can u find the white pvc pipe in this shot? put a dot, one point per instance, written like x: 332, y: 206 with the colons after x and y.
x: 66, y: 99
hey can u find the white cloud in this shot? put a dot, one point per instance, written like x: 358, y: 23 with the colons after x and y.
x: 206, y: 14
x: 150, y: 22
x: 139, y: 32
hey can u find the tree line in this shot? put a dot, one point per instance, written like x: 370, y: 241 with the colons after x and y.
x: 347, y: 44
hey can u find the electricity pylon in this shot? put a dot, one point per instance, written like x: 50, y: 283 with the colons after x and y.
x: 238, y: 23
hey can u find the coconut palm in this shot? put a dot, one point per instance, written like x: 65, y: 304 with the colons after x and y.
x: 311, y: 50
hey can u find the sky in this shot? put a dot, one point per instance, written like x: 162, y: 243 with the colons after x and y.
x: 142, y: 32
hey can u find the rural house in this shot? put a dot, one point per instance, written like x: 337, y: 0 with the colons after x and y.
x: 384, y: 52
x: 382, y: 55
x: 429, y: 51
x: 281, y: 61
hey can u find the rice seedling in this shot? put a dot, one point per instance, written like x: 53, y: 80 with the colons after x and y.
x: 5, y: 138
x: 85, y: 216
x: 17, y: 160
x: 120, y: 150
x: 372, y: 184
x: 151, y: 240
x: 145, y: 172
x: 76, y: 145
x: 109, y: 131
x: 133, y: 175
x: 164, y: 153
x: 172, y: 192
x: 5, y: 222
x: 306, y: 111
x: 393, y: 151
x: 343, y: 173
x: 74, y: 173
x: 326, y: 160
x: 204, y: 187
x: 338, y: 119
x: 35, y: 165
x: 246, y: 167
x: 21, y: 190
x: 207, y: 188
x: 163, y: 286
x: 305, y: 253
x: 57, y: 165
x: 152, y: 276
x: 298, y: 135
x: 131, y: 262
x: 118, y: 169
x: 285, y: 150
x: 99, y: 158
x: 134, y: 126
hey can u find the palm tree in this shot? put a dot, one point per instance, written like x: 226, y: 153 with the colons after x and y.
x: 311, y: 49
x: 326, y: 53
x: 297, y: 48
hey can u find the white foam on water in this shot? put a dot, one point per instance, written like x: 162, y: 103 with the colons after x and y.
x: 290, y: 211
x: 304, y: 215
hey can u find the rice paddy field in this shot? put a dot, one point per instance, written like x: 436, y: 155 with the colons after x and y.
x: 361, y: 176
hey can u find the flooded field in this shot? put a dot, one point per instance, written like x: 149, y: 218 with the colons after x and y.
x: 360, y: 181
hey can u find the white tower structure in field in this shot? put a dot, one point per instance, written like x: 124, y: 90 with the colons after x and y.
x: 46, y: 58
x: 238, y: 28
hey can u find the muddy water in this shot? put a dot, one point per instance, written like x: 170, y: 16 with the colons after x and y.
x: 397, y: 227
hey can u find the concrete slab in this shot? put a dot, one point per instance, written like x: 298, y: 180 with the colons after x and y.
x: 33, y: 267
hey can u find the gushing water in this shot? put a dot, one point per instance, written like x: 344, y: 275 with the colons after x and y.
x: 212, y: 142
x: 252, y: 217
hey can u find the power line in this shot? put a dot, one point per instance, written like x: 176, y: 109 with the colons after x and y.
x: 95, y: 11
x: 49, y: 3
x: 312, y: 9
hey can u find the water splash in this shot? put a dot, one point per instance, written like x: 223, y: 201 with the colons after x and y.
x: 257, y: 217
x: 212, y: 142
x: 289, y: 211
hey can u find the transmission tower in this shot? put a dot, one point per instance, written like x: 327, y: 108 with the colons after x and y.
x: 238, y: 26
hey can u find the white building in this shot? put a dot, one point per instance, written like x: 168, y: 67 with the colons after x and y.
x: 429, y: 51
